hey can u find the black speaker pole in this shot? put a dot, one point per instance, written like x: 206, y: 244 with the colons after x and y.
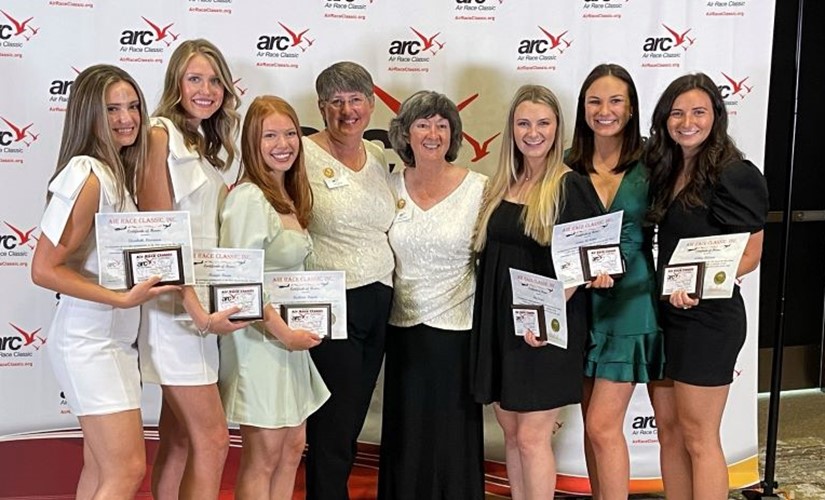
x: 769, y: 483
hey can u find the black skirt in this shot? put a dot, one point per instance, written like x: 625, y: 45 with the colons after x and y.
x: 432, y: 442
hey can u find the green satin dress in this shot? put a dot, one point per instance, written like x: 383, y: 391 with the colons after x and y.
x: 625, y: 342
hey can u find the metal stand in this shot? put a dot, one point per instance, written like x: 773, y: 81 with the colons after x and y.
x: 768, y: 484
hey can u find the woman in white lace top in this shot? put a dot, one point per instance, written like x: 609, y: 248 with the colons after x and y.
x: 438, y: 452
x: 352, y: 211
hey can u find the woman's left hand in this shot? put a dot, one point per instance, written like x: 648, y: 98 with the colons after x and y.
x: 532, y: 340
x: 680, y: 299
x: 603, y: 280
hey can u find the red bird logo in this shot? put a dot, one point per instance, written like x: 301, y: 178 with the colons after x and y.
x: 681, y: 38
x: 395, y: 105
x: 162, y: 33
x: 297, y: 38
x: 240, y: 89
x: 479, y: 150
x: 19, y: 133
x: 555, y: 41
x: 23, y: 237
x: 19, y: 28
x: 738, y: 87
x: 28, y: 337
x: 429, y: 42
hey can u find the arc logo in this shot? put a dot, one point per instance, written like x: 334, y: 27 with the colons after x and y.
x: 735, y: 87
x: 15, y: 135
x: 20, y: 342
x: 290, y: 43
x: 480, y: 6
x: 151, y: 38
x: 421, y: 48
x: 12, y: 28
x: 643, y: 425
x: 545, y: 47
x: 675, y: 38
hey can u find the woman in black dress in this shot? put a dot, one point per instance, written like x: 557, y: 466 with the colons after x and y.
x: 701, y: 186
x: 527, y: 380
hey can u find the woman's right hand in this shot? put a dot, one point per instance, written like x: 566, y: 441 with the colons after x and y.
x: 300, y: 340
x: 143, y: 291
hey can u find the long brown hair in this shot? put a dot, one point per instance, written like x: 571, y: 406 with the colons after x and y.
x: 580, y: 157
x: 221, y: 129
x: 253, y: 166
x: 663, y: 156
x: 86, y: 128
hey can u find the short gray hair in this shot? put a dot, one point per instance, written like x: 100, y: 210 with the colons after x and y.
x: 343, y: 76
x: 424, y: 104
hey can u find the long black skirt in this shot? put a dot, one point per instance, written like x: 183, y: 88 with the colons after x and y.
x: 432, y: 441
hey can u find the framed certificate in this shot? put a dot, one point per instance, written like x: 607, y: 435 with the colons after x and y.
x: 602, y: 259
x: 143, y: 263
x: 688, y: 277
x: 248, y: 296
x: 317, y: 318
x: 529, y: 317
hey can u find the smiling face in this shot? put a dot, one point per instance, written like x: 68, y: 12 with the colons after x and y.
x: 690, y: 120
x: 607, y: 106
x: 280, y: 143
x: 534, y: 130
x: 430, y: 138
x: 123, y: 113
x: 347, y: 114
x: 201, y: 90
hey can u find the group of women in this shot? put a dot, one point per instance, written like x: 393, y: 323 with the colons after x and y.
x: 427, y: 252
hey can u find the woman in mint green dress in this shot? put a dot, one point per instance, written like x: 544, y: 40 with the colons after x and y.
x: 625, y: 344
x: 268, y: 382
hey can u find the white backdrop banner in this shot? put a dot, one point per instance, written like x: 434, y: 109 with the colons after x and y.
x: 475, y: 51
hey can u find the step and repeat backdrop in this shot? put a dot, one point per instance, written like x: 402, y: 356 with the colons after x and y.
x: 478, y: 52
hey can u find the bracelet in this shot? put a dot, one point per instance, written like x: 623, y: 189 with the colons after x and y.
x: 205, y: 330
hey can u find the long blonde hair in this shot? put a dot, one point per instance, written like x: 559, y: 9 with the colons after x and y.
x: 543, y: 201
x: 86, y: 129
x: 221, y: 129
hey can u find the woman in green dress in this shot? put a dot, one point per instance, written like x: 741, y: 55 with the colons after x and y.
x: 625, y: 344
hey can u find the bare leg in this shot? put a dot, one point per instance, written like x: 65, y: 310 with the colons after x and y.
x: 535, y: 431
x: 199, y: 412
x: 673, y: 456
x: 589, y: 458
x: 171, y: 456
x: 89, y: 475
x: 260, y: 456
x: 700, y: 411
x: 508, y: 421
x: 283, y: 481
x: 116, y: 443
x: 605, y: 428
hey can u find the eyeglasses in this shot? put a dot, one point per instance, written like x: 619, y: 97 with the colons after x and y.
x: 337, y: 103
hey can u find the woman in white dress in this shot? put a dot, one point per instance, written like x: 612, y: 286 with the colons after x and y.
x: 190, y: 144
x: 269, y: 384
x: 92, y: 335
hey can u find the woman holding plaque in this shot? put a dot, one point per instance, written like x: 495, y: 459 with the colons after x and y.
x: 527, y: 380
x: 433, y: 446
x: 94, y: 329
x: 625, y: 344
x: 701, y: 186
x: 352, y: 211
x: 190, y: 144
x: 270, y: 387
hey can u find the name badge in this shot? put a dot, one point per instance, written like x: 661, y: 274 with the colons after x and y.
x: 336, y: 182
x: 403, y: 216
